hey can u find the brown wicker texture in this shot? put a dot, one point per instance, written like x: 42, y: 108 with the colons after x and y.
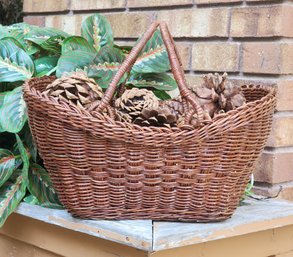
x: 105, y: 169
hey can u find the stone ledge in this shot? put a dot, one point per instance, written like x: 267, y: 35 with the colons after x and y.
x: 149, y: 236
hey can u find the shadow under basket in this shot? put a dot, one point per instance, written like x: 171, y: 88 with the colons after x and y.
x: 106, y: 169
x: 114, y: 170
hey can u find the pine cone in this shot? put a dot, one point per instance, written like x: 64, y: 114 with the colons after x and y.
x: 175, y: 106
x: 158, y: 117
x: 216, y: 96
x: 134, y: 100
x: 76, y: 89
x: 122, y: 116
x: 231, y: 98
x: 207, y: 98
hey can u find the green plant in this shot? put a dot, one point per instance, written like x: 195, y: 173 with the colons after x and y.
x: 24, y: 53
x: 28, y: 51
x: 97, y: 55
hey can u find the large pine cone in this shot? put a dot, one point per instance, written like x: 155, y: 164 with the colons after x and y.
x: 134, y: 100
x: 216, y: 96
x: 158, y: 117
x: 76, y: 89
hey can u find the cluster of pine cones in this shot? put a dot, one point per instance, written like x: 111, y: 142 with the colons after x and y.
x: 142, y: 107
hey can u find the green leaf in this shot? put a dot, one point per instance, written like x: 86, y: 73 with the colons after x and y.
x: 45, y: 65
x: 15, y: 63
x: 24, y: 156
x: 103, y: 73
x: 51, y: 44
x: 11, y: 194
x: 161, y: 94
x: 30, y: 199
x: 105, y: 66
x: 97, y: 31
x: 160, y: 81
x: 41, y: 186
x: 77, y: 43
x: 28, y: 140
x: 13, y: 113
x: 154, y: 57
x: 109, y: 54
x: 7, y: 165
x: 15, y: 41
x: 45, y: 33
x: 19, y: 31
x: 72, y: 61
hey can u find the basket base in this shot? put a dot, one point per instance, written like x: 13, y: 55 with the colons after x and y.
x: 152, y: 214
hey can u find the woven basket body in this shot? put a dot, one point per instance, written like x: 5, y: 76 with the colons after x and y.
x: 103, y: 169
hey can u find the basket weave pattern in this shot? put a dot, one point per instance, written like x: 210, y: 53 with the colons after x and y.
x: 105, y: 169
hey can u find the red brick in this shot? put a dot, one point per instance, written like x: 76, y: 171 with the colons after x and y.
x: 268, y: 58
x: 131, y: 24
x: 281, y: 191
x: 66, y: 23
x: 285, y: 95
x: 216, y: 1
x: 35, y: 20
x: 282, y: 130
x: 274, y: 167
x: 287, y: 58
x: 262, y: 21
x: 215, y: 57
x: 96, y: 4
x: 45, y: 5
x: 209, y: 22
x: 157, y: 3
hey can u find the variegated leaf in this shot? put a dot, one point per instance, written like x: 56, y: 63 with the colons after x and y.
x: 51, y: 44
x: 154, y: 57
x: 41, y: 186
x: 103, y: 73
x: 72, y: 61
x: 7, y: 165
x: 97, y: 31
x: 30, y: 199
x: 25, y: 158
x: 105, y: 66
x: 45, y: 65
x: 15, y: 63
x: 11, y: 194
x: 38, y: 32
x: 19, y: 31
x: 13, y: 111
x: 159, y: 81
x: 76, y: 43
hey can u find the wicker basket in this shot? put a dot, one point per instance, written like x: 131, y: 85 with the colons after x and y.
x: 105, y: 169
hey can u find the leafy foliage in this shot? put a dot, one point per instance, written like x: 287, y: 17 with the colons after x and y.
x: 15, y: 63
x: 13, y: 111
x: 41, y: 186
x: 159, y: 81
x: 11, y: 194
x: 7, y: 165
x: 154, y: 57
x: 25, y: 51
x: 97, y: 31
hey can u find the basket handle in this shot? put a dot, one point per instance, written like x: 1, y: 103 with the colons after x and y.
x: 176, y: 68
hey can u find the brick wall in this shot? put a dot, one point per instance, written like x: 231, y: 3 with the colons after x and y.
x: 251, y: 39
